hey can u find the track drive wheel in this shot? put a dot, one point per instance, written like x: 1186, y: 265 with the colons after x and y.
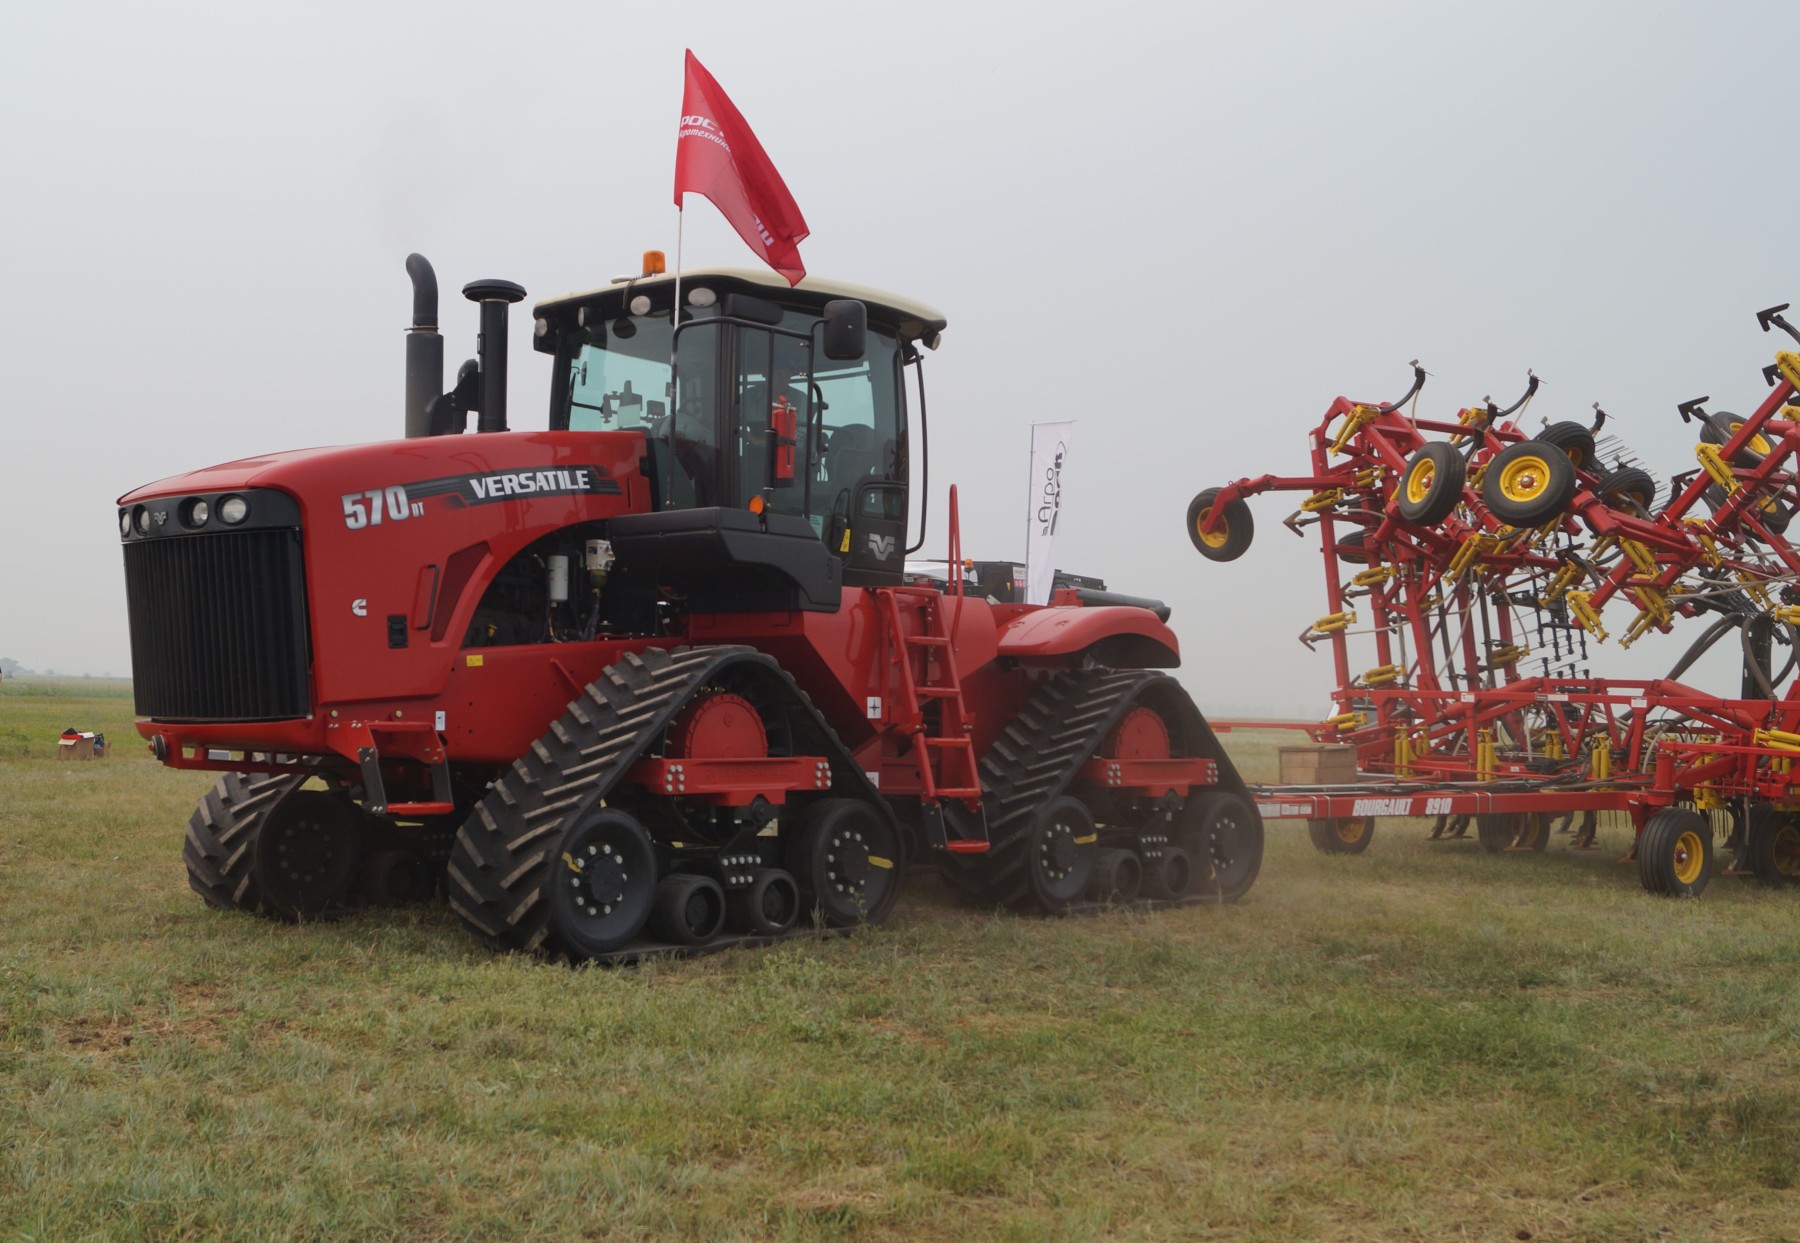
x: 1774, y: 846
x: 308, y: 855
x: 603, y: 882
x: 1343, y: 836
x: 1226, y: 837
x: 847, y: 861
x: 1528, y: 483
x: 1674, y: 853
x: 1231, y: 535
x: 1431, y: 486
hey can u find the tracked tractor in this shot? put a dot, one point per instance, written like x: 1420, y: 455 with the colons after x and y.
x: 653, y: 677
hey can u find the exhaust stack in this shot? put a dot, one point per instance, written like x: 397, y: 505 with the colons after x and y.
x: 424, y: 348
x: 494, y: 296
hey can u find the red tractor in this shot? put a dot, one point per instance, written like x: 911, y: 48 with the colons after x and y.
x: 653, y: 677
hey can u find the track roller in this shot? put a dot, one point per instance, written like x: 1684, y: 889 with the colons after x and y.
x: 689, y: 909
x: 1118, y: 875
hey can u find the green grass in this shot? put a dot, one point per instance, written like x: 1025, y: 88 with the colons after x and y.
x: 1421, y: 1042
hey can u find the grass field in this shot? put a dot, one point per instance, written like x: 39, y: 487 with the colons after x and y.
x: 1421, y: 1042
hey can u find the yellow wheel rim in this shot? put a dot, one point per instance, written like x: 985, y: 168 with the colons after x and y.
x: 1787, y: 851
x: 1350, y: 832
x: 1216, y: 537
x: 1525, y: 478
x: 1419, y: 480
x: 1758, y: 444
x: 1690, y: 855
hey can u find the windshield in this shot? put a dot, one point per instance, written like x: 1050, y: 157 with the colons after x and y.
x: 621, y: 381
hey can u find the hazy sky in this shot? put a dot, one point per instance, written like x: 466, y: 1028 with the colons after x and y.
x: 1188, y: 227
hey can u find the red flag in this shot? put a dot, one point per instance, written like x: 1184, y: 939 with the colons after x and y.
x: 718, y: 158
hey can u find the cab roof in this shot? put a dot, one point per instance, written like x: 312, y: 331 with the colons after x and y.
x: 913, y: 320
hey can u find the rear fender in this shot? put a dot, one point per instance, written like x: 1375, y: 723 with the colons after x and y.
x: 1115, y: 635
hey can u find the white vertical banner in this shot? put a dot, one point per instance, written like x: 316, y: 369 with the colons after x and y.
x: 1049, y: 458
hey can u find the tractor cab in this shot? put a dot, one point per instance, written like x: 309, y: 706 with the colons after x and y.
x: 766, y: 409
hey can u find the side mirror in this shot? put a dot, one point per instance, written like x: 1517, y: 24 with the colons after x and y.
x: 846, y: 330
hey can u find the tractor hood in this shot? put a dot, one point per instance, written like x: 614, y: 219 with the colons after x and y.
x: 335, y: 468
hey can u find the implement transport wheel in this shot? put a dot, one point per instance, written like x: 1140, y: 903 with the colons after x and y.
x: 1719, y: 428
x: 689, y: 909
x: 603, y: 882
x: 1674, y: 853
x: 1529, y: 483
x: 1431, y: 486
x: 846, y: 860
x: 1534, y: 831
x: 1346, y: 835
x: 1230, y: 537
x: 1226, y: 838
x: 1059, y: 854
x: 1628, y: 484
x: 1118, y: 875
x: 1573, y: 439
x: 1495, y: 830
x: 220, y: 849
x: 1774, y: 846
x: 767, y: 907
x: 308, y: 855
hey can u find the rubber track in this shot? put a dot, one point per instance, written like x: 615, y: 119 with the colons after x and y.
x: 503, y: 852
x: 1037, y: 757
x: 220, y: 846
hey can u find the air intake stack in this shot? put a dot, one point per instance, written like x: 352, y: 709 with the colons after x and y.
x: 494, y: 296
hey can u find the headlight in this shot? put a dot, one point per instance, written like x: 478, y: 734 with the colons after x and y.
x: 124, y: 524
x: 140, y: 518
x: 233, y: 510
x: 198, y: 511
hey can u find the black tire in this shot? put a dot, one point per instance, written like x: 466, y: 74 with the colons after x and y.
x: 1431, y: 486
x: 1628, y: 483
x: 601, y: 879
x: 768, y: 906
x: 1118, y: 876
x: 1170, y: 876
x: 1226, y: 839
x: 308, y: 856
x: 1528, y: 483
x: 1495, y: 831
x: 220, y: 847
x: 1774, y: 846
x: 1353, y: 548
x: 1224, y: 543
x: 397, y: 878
x: 689, y: 909
x: 847, y: 862
x: 1059, y: 854
x: 1718, y: 429
x: 1532, y: 831
x: 1342, y: 836
x: 1574, y: 440
x: 1675, y: 853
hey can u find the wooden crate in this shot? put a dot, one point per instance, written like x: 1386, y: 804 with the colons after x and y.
x: 1318, y: 765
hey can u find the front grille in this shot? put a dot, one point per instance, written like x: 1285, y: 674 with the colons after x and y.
x: 218, y: 626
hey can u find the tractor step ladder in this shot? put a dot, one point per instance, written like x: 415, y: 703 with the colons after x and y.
x: 943, y: 741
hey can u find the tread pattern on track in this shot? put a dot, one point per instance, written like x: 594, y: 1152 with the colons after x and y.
x: 500, y: 862
x: 220, y: 846
x: 1036, y: 759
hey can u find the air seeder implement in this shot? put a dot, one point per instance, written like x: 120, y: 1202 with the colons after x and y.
x: 1471, y: 565
x: 654, y: 677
